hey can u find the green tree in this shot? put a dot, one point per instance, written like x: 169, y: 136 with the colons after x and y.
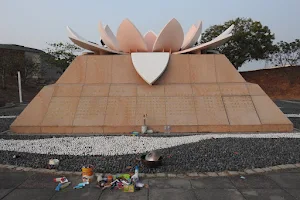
x: 250, y: 41
x: 286, y: 53
x: 8, y: 66
x: 61, y: 55
x: 29, y: 69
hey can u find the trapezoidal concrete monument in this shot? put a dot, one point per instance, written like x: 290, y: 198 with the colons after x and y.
x: 112, y: 89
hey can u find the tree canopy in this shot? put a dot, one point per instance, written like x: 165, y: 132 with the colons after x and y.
x: 250, y: 41
x: 286, y: 54
x: 9, y: 65
x: 61, y: 54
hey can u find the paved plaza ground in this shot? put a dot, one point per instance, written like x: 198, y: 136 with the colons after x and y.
x: 279, y: 185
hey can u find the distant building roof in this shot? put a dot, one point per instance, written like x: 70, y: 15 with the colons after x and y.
x: 20, y: 48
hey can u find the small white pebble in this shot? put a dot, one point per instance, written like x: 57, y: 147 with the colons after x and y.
x: 116, y: 145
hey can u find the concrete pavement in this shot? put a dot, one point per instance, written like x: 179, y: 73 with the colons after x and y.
x: 16, y: 185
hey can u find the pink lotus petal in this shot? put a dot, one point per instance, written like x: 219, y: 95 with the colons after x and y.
x: 170, y: 38
x: 129, y: 38
x: 150, y: 38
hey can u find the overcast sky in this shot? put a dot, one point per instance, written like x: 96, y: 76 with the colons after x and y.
x: 33, y: 23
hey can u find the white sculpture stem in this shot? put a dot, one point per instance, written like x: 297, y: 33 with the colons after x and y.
x: 20, y: 87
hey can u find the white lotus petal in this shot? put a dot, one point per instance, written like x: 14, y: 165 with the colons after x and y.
x: 170, y: 38
x: 188, y: 36
x: 150, y: 66
x: 192, y: 36
x: 112, y: 37
x: 199, y: 39
x: 226, y: 32
x: 108, y: 37
x: 83, y: 43
x: 218, y: 41
x: 73, y: 34
x: 208, y: 45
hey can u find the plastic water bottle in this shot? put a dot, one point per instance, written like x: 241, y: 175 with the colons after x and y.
x: 167, y: 129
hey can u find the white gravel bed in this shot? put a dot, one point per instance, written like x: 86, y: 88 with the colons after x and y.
x: 292, y: 115
x: 116, y: 145
x: 8, y: 117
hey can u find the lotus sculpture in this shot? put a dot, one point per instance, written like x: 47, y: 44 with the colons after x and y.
x: 150, y: 53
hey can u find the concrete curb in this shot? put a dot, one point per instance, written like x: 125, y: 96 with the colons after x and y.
x: 167, y: 175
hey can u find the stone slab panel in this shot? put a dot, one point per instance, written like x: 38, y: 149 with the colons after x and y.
x: 272, y: 194
x: 245, y: 128
x: 192, y: 128
x: 121, y: 129
x: 13, y: 179
x: 153, y: 90
x: 178, y: 183
x: 109, y: 195
x: 233, y: 89
x: 240, y: 110
x: 90, y: 111
x: 70, y: 90
x: 120, y: 111
x: 212, y: 183
x: 87, y: 129
x: 57, y: 129
x: 277, y: 127
x: 184, y: 129
x: 202, y: 68
x: 286, y: 179
x: 255, y: 89
x: 30, y: 194
x: 26, y: 129
x: 171, y: 193
x: 123, y: 70
x: 61, y: 111
x: 4, y: 192
x: 224, y: 194
x: 226, y: 72
x: 123, y: 90
x: 178, y: 70
x: 180, y: 111
x: 206, y: 89
x: 34, y: 113
x: 95, y: 90
x: 268, y: 112
x: 75, y: 73
x: 178, y: 90
x: 254, y: 181
x: 214, y: 128
x: 210, y: 110
x: 157, y: 129
x: 98, y: 69
x: 154, y: 107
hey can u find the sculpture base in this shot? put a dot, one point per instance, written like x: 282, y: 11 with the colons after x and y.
x: 196, y: 93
